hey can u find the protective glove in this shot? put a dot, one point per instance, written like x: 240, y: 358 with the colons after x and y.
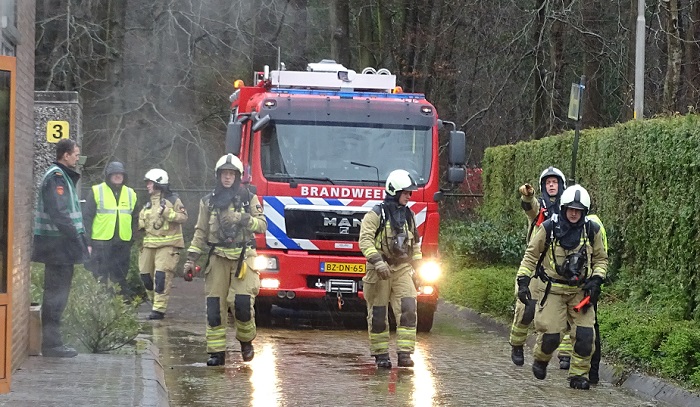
x: 382, y: 269
x: 526, y: 190
x: 592, y: 288
x: 188, y: 270
x: 244, y: 219
x: 375, y: 258
x: 524, y: 289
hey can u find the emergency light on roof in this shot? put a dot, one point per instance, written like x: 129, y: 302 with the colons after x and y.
x: 328, y: 74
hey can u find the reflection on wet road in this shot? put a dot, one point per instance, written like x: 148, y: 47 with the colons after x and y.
x: 457, y: 364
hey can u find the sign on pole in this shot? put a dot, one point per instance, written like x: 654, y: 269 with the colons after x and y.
x: 57, y: 130
x: 575, y: 102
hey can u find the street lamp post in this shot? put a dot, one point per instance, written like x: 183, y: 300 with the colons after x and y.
x: 639, y: 62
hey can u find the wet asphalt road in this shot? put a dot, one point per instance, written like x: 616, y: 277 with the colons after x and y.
x: 303, y: 361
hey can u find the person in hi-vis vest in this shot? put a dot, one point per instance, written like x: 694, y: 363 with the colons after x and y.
x: 110, y: 223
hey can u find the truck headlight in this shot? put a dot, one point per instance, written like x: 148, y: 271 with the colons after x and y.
x: 429, y: 271
x: 266, y: 263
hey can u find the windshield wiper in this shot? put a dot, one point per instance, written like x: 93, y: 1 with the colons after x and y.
x: 293, y: 178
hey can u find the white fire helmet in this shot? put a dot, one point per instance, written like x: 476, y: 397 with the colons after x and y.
x: 157, y: 175
x: 576, y: 197
x: 400, y: 180
x: 229, y: 162
x: 552, y: 172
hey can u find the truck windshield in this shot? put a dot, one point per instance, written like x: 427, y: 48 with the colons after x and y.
x: 323, y: 152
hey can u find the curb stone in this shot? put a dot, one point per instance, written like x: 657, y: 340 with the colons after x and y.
x: 645, y: 386
x: 155, y: 391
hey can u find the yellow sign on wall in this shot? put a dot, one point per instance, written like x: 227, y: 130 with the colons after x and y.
x: 57, y: 130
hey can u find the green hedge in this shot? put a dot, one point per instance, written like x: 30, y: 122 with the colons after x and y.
x: 644, y: 180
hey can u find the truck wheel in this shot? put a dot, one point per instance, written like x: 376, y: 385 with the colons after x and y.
x: 263, y: 314
x: 425, y: 319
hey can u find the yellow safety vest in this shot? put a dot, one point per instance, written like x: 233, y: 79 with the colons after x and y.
x: 108, y: 212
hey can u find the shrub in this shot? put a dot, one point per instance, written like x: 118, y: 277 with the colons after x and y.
x: 484, y: 289
x: 95, y: 317
x: 481, y: 240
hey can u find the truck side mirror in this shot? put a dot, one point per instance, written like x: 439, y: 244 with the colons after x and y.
x: 456, y: 175
x: 234, y: 131
x: 261, y: 122
x: 457, y: 149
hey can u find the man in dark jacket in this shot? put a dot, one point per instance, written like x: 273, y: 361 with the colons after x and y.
x: 59, y: 242
x: 110, y: 225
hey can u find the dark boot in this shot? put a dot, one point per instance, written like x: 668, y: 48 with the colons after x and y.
x: 247, y: 351
x: 216, y: 359
x: 564, y: 362
x: 62, y: 351
x: 156, y: 315
x: 539, y: 369
x: 579, y: 382
x: 405, y: 359
x: 593, y: 376
x: 517, y: 355
x: 383, y: 361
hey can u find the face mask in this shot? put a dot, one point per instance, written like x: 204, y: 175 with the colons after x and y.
x: 573, y: 267
x: 399, y: 246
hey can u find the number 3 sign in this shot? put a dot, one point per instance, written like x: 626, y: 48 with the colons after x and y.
x: 57, y: 130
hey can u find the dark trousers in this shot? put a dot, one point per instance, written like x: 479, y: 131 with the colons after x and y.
x: 110, y: 261
x: 57, y: 282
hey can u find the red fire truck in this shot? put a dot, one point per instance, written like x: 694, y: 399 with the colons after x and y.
x: 318, y: 146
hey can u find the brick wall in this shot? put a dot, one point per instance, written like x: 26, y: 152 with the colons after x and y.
x: 23, y: 181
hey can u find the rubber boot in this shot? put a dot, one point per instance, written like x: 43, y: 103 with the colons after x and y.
x: 383, y: 361
x: 517, y: 355
x: 579, y: 382
x: 156, y: 315
x: 405, y: 359
x: 539, y: 369
x: 216, y: 359
x: 593, y: 376
x: 564, y: 362
x: 247, y: 351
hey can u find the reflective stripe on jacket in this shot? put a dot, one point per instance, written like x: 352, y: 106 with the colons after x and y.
x: 43, y: 226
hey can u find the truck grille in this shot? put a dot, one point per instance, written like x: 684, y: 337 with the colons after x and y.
x: 326, y: 223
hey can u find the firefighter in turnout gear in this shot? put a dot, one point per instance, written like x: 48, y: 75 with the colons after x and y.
x: 110, y: 223
x: 537, y: 210
x: 390, y: 242
x: 574, y: 261
x: 228, y: 219
x: 162, y: 218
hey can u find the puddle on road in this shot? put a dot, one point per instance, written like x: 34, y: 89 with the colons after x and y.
x: 460, y: 365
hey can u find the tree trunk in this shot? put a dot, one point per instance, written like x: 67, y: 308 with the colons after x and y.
x: 539, y: 111
x: 692, y: 56
x: 366, y: 28
x: 340, y: 31
x: 674, y: 57
x: 593, y: 68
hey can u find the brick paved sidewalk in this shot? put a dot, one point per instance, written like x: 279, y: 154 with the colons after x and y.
x: 89, y: 380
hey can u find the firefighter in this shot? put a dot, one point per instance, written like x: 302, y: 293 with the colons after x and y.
x: 59, y: 242
x: 161, y: 217
x: 228, y: 219
x: 110, y: 225
x: 552, y: 184
x: 390, y: 242
x: 571, y: 252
